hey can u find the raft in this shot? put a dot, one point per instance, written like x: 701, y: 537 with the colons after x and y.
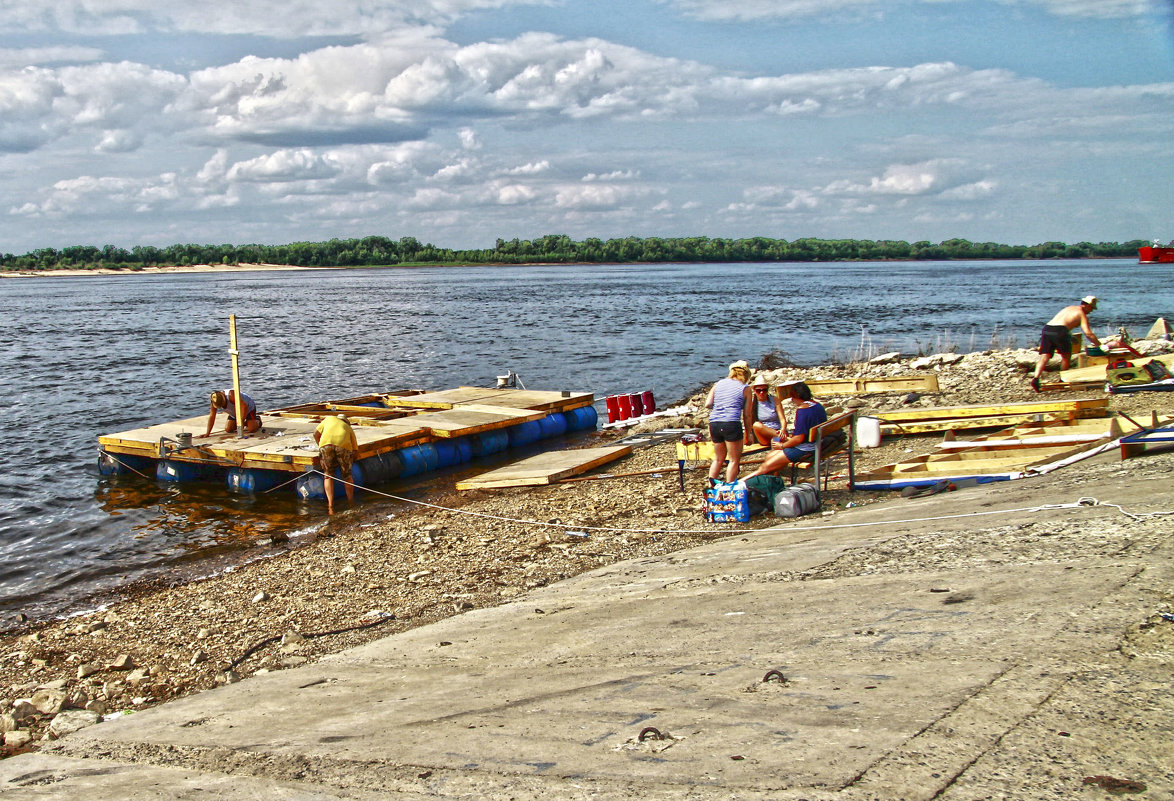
x: 400, y: 434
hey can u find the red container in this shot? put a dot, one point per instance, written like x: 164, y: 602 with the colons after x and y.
x: 637, y: 404
x: 613, y: 408
x: 649, y: 403
x: 625, y: 406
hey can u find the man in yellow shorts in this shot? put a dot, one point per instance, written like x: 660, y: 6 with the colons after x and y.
x: 336, y: 448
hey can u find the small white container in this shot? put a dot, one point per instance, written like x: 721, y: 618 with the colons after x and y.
x: 868, y: 432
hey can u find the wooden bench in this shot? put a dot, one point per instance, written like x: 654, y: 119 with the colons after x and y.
x: 843, y: 423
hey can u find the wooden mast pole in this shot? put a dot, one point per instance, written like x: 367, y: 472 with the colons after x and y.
x: 236, y: 376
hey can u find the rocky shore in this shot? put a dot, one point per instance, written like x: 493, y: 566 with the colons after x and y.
x: 362, y: 577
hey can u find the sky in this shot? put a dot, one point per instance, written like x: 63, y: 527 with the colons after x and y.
x: 458, y: 122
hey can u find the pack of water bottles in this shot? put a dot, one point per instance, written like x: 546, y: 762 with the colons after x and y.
x: 727, y: 502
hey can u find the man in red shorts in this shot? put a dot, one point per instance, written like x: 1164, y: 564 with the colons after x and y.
x: 1056, y: 336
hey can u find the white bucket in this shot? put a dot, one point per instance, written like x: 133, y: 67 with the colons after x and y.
x: 868, y: 433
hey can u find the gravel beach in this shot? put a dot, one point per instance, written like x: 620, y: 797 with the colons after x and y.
x: 361, y: 578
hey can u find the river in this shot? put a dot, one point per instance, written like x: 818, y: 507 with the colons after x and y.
x: 98, y: 354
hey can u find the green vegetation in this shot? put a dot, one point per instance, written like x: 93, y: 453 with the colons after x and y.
x: 373, y: 251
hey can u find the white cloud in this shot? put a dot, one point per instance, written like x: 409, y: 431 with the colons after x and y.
x: 282, y: 166
x: 293, y: 18
x: 38, y: 56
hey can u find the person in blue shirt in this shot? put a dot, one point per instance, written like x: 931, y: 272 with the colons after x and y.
x: 766, y: 414
x: 728, y: 402
x: 794, y: 447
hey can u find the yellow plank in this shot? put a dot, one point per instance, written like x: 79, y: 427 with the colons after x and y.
x: 1000, y: 421
x: 1084, y: 407
x: 703, y: 451
x: 1097, y: 372
x: 546, y: 468
x: 863, y: 385
x: 472, y: 419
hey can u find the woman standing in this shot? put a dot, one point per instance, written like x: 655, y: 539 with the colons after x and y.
x: 728, y: 405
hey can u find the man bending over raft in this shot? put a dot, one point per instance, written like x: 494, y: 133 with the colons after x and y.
x: 227, y: 400
x: 1057, y: 339
x: 337, y: 445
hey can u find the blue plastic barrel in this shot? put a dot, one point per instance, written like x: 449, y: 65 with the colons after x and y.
x: 464, y: 450
x: 310, y: 486
x: 171, y: 470
x: 247, y: 481
x: 453, y: 451
x: 585, y: 418
x: 393, y: 465
x: 374, y: 470
x: 489, y: 442
x: 119, y: 464
x: 419, y: 459
x: 553, y: 425
x: 524, y: 433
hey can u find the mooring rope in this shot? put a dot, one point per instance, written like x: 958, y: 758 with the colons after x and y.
x: 1077, y: 504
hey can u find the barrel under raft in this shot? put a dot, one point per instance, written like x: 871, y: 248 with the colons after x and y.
x: 369, y: 471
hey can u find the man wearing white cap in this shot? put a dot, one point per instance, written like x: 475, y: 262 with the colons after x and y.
x: 1057, y: 339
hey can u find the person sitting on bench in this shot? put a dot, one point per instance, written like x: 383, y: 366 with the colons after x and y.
x: 786, y: 450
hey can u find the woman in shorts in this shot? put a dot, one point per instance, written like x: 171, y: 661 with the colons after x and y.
x: 728, y: 401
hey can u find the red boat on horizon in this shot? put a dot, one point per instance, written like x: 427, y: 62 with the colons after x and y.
x: 1156, y: 254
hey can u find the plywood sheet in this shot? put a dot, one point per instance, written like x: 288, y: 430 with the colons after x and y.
x: 860, y: 386
x: 546, y: 468
x: 461, y: 421
x: 1084, y: 407
x: 1096, y: 372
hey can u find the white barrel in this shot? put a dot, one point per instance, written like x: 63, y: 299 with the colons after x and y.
x: 868, y: 433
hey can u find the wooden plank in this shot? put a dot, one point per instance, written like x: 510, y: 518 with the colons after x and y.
x: 1097, y: 372
x: 545, y: 468
x: 1083, y: 407
x: 867, y: 385
x: 465, y: 420
x: 703, y: 451
x: 968, y: 423
x: 535, y: 399
x: 448, y: 398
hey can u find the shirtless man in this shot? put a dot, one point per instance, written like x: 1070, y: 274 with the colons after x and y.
x: 1057, y: 339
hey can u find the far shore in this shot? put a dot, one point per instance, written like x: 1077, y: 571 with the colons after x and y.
x: 156, y: 270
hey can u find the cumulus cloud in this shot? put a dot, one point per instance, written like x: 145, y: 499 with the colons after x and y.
x: 42, y: 56
x: 934, y: 177
x: 294, y: 18
x: 282, y: 166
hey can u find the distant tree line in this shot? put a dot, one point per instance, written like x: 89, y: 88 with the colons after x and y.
x: 373, y: 251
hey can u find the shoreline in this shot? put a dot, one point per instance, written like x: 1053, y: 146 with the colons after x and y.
x: 375, y: 570
x: 269, y: 267
x: 162, y: 270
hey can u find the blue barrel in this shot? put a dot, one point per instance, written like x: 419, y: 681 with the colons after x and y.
x: 116, y: 465
x: 585, y: 418
x: 393, y: 465
x: 419, y: 459
x: 172, y: 470
x: 311, y: 487
x: 464, y: 449
x: 553, y: 425
x: 524, y: 433
x: 489, y: 442
x: 452, y: 452
x: 374, y: 470
x: 247, y: 481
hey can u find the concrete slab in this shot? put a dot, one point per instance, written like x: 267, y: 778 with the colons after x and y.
x: 940, y: 676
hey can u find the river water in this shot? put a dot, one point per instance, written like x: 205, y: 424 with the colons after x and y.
x: 84, y: 356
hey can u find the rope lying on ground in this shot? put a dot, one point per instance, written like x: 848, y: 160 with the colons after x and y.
x: 1079, y: 503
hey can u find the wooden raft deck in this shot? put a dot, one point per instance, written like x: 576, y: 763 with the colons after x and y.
x: 382, y: 422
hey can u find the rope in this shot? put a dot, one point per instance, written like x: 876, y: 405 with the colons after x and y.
x: 118, y: 461
x: 1079, y: 503
x: 258, y: 646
